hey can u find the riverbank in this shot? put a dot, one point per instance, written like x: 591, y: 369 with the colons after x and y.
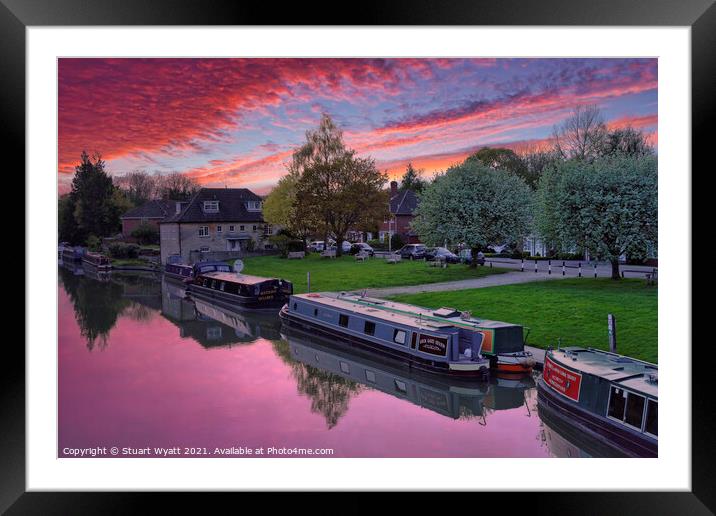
x: 345, y: 273
x: 573, y: 310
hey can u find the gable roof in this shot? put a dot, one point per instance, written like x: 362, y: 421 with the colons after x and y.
x: 232, y: 206
x: 404, y: 203
x: 157, y: 209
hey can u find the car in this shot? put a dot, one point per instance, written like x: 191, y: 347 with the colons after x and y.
x: 466, y: 257
x: 441, y: 253
x: 345, y: 246
x: 412, y: 251
x: 362, y: 246
x: 317, y: 246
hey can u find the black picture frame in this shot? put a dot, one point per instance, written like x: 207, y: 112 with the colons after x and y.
x: 16, y: 15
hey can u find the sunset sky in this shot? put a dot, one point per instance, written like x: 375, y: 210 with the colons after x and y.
x: 235, y: 122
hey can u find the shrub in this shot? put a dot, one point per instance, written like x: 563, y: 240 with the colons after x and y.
x: 122, y: 250
x: 146, y: 234
x: 94, y: 243
x: 295, y: 246
x: 280, y: 241
x: 397, y: 242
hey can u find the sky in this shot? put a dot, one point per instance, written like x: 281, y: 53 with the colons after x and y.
x: 235, y: 122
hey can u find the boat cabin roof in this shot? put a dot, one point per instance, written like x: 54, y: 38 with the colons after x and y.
x: 401, y: 312
x: 629, y: 372
x: 233, y: 277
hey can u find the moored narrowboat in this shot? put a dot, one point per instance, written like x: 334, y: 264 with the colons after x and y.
x: 96, y: 261
x: 183, y: 272
x: 72, y: 254
x: 398, y: 331
x: 238, y: 291
x: 607, y: 396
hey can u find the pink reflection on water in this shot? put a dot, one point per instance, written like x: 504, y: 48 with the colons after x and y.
x: 152, y: 388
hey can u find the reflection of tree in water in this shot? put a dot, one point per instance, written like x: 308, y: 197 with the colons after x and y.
x: 97, y: 306
x: 138, y: 312
x: 329, y: 393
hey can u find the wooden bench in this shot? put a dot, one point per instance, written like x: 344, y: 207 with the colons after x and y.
x: 649, y: 275
x: 392, y: 258
x: 438, y: 263
x: 296, y: 255
x: 328, y: 253
x: 362, y: 256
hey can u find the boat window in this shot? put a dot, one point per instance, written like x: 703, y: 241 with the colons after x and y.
x: 634, y: 410
x: 369, y: 328
x: 345, y: 368
x: 652, y: 413
x: 315, y: 312
x: 221, y: 286
x: 414, y: 338
x: 399, y: 336
x: 295, y: 306
x: 401, y: 387
x: 370, y: 376
x: 617, y: 403
x: 343, y: 320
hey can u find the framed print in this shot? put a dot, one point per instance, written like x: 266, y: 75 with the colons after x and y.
x: 415, y: 252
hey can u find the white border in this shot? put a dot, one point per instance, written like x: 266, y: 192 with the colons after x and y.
x: 672, y: 469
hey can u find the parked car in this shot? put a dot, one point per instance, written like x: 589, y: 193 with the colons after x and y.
x: 345, y: 246
x: 362, y: 246
x: 441, y: 253
x: 317, y: 246
x: 466, y: 257
x: 412, y: 251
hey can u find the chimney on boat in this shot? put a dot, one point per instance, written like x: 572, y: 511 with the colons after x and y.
x: 393, y: 188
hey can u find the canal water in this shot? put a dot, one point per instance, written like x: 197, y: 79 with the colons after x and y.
x: 141, y: 367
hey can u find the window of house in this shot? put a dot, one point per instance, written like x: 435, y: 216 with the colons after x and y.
x: 652, y: 415
x: 241, y: 228
x: 345, y: 368
x: 231, y: 229
x: 211, y: 206
x: 370, y: 376
x: 203, y: 231
x: 268, y: 230
x: 219, y: 229
x: 254, y: 228
x: 253, y: 205
x: 204, y: 250
x: 343, y: 320
x: 369, y: 328
x: 399, y: 336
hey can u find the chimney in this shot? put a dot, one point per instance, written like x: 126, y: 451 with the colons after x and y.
x: 393, y: 188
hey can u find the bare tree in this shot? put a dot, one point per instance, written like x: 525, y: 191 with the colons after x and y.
x: 139, y: 186
x: 176, y: 186
x: 583, y: 135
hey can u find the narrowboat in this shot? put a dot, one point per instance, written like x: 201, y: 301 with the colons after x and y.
x: 439, y: 394
x: 609, y: 397
x: 96, y: 261
x: 72, y: 254
x: 417, y: 336
x: 234, y: 290
x: 186, y: 273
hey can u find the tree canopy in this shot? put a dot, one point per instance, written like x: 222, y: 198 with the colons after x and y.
x: 412, y: 179
x: 607, y: 206
x: 474, y: 205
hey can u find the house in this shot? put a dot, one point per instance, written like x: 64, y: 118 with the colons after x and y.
x: 216, y: 224
x: 402, y: 206
x: 151, y: 213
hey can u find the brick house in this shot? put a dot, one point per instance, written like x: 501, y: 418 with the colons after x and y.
x: 151, y: 213
x: 217, y: 223
x: 402, y: 206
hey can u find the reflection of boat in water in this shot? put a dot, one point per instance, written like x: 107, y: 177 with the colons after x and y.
x: 604, y: 396
x: 73, y: 266
x: 245, y: 324
x: 508, y: 391
x: 435, y: 393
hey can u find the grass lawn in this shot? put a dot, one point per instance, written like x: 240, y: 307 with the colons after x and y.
x: 127, y: 262
x: 573, y: 309
x: 344, y: 273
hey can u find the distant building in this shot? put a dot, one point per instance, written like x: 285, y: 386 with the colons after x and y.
x: 151, y: 213
x: 402, y: 206
x: 217, y: 223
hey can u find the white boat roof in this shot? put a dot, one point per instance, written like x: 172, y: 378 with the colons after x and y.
x: 232, y: 277
x: 398, y: 312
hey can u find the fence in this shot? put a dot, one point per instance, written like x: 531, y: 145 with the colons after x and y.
x: 570, y: 268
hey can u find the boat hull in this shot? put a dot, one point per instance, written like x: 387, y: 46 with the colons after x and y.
x: 629, y: 443
x: 98, y: 268
x: 411, y: 362
x: 233, y: 301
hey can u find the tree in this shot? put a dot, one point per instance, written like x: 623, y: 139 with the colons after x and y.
x: 582, y: 135
x: 97, y: 204
x: 412, y: 179
x: 507, y: 160
x: 66, y: 224
x: 139, y: 186
x: 336, y: 188
x: 146, y: 233
x: 281, y: 208
x: 608, y: 206
x: 627, y: 141
x: 176, y: 187
x: 475, y: 205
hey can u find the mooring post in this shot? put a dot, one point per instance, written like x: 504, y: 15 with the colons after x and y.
x: 549, y: 266
x: 308, y: 280
x: 522, y: 268
x: 580, y: 269
x: 562, y: 268
x: 535, y: 266
x: 595, y: 270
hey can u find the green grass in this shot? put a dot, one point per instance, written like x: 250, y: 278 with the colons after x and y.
x: 126, y: 262
x: 336, y: 274
x: 574, y: 310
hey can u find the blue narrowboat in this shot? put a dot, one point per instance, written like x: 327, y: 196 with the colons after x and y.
x: 72, y: 254
x: 609, y: 397
x: 445, y: 343
x: 186, y: 273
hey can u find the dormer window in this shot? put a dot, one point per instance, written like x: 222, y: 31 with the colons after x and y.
x: 253, y: 205
x: 211, y: 206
